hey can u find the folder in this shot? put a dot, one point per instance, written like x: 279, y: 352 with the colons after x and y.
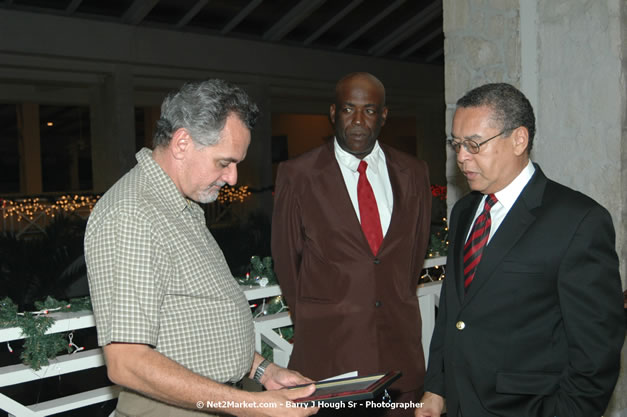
x: 356, y: 388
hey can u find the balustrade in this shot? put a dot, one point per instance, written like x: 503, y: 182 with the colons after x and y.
x: 428, y: 296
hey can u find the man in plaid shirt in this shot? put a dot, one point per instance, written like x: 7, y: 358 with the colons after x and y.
x: 176, y: 330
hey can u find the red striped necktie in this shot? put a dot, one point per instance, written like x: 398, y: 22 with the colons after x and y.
x: 368, y: 210
x: 477, y: 241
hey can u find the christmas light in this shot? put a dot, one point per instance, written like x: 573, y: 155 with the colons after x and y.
x: 231, y: 194
x: 32, y: 207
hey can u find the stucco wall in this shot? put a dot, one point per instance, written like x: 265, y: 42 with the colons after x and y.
x: 581, y: 102
x: 568, y: 57
x: 481, y: 45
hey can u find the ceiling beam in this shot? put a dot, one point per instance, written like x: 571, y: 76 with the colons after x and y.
x: 290, y: 20
x: 408, y: 28
x: 422, y: 42
x: 71, y: 8
x: 240, y: 16
x: 333, y: 21
x: 370, y: 24
x: 138, y: 11
x: 191, y: 13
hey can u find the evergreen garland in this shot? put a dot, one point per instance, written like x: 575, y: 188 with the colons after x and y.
x: 40, y: 347
x: 260, y: 272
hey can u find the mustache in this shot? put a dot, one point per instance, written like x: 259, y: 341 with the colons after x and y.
x: 357, y: 131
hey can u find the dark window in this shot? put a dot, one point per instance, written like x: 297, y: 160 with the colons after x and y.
x: 65, y: 148
x: 9, y: 150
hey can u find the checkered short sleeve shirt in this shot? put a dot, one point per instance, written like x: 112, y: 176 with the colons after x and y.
x: 158, y: 277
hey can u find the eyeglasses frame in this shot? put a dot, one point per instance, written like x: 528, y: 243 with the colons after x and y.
x: 457, y: 145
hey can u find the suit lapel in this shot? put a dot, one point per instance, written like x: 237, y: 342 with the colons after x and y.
x: 329, y: 178
x: 515, y: 224
x: 399, y: 180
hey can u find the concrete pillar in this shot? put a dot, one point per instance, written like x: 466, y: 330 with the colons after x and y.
x: 581, y: 113
x: 151, y: 115
x: 74, y: 177
x: 570, y: 59
x: 30, y: 149
x: 113, y: 128
x: 256, y: 170
x: 544, y: 48
x: 582, y: 102
x: 481, y: 45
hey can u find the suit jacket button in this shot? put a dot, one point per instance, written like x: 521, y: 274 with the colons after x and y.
x: 377, y: 261
x: 460, y: 325
x: 378, y: 304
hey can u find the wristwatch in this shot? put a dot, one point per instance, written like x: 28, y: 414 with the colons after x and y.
x: 261, y: 369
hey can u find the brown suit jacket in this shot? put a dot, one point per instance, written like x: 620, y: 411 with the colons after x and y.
x: 351, y: 310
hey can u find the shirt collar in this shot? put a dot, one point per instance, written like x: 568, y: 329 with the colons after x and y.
x: 508, y: 195
x: 350, y: 161
x: 169, y: 194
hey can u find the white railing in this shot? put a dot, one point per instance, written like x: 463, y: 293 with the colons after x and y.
x: 428, y: 296
x: 34, y: 219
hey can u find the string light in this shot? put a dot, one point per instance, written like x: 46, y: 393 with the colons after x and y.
x: 31, y: 207
x: 231, y: 194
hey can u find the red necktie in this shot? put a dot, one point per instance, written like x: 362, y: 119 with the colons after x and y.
x: 477, y: 241
x: 368, y: 210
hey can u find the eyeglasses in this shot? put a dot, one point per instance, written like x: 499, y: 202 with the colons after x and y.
x: 470, y: 145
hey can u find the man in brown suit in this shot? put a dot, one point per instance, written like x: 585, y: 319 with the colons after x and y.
x: 352, y: 296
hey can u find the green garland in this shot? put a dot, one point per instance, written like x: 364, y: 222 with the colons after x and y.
x: 438, y: 241
x: 40, y: 347
x: 260, y: 272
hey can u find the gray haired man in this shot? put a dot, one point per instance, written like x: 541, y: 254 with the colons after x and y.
x: 176, y: 330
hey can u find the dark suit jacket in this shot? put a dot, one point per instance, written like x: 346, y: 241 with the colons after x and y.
x: 351, y: 310
x: 540, y: 330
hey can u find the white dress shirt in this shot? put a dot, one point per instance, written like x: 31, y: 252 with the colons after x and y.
x: 506, y: 199
x: 378, y: 176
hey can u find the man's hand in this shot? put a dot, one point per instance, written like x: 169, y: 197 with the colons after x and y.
x: 432, y: 405
x: 276, y: 377
x: 283, y: 398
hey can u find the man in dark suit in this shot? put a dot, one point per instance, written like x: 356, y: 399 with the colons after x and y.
x: 530, y: 319
x: 348, y: 268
